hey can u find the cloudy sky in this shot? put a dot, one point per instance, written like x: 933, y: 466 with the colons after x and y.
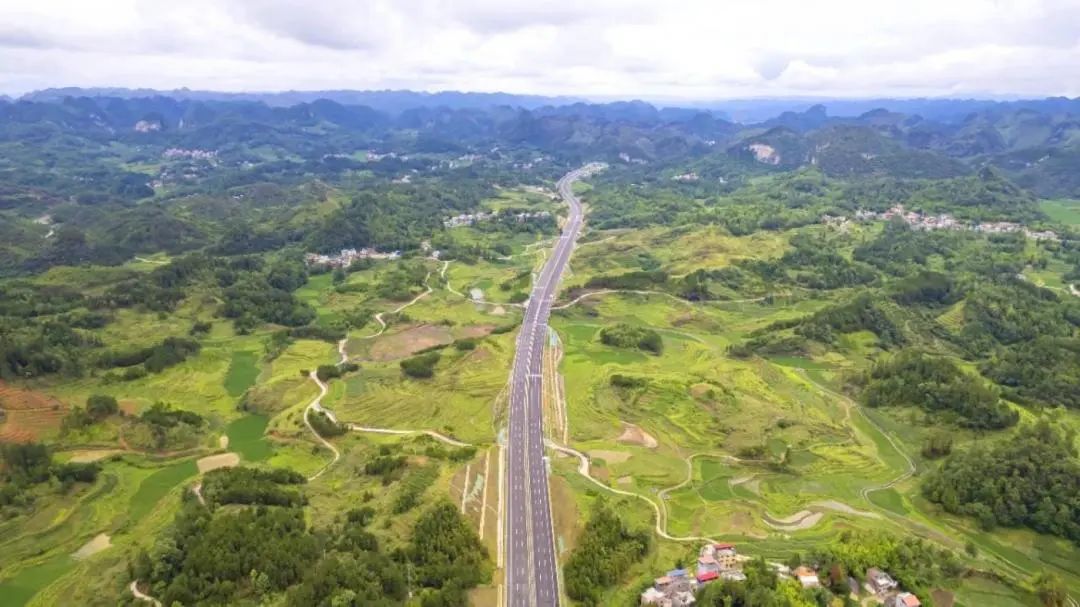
x: 689, y: 49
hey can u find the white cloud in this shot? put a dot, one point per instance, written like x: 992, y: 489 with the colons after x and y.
x: 631, y: 48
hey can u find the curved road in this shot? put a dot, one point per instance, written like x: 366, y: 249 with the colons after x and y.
x: 532, y: 573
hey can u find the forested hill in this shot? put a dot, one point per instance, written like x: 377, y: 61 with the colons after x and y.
x: 101, y: 179
x: 390, y: 101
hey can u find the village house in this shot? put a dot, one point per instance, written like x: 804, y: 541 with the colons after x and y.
x: 346, y: 257
x: 906, y: 599
x: 717, y: 561
x: 879, y: 581
x: 807, y: 577
x: 918, y: 221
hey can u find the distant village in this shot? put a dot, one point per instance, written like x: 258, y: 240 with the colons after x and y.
x: 721, y: 561
x: 919, y: 221
x: 192, y: 154
x: 468, y: 219
x: 346, y: 257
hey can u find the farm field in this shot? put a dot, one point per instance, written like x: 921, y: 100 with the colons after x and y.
x: 1062, y: 211
x: 722, y: 424
x: 772, y: 452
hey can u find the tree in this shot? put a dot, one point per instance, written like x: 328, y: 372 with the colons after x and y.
x: 100, y: 406
x: 1051, y: 589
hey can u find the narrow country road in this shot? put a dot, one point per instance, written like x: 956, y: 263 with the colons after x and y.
x: 142, y: 597
x: 531, y: 571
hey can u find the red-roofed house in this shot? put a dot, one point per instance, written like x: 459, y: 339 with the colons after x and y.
x: 706, y: 576
x: 906, y: 599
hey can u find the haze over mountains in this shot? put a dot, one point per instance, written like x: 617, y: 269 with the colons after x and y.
x: 1033, y: 142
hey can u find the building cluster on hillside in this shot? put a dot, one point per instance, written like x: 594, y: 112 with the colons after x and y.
x: 468, y: 219
x: 677, y: 587
x: 376, y: 156
x: 346, y: 257
x: 533, y: 189
x: 944, y: 221
x: 195, y: 154
x: 888, y: 590
x: 529, y: 164
x: 462, y: 161
x: 628, y: 159
x: 690, y: 176
x: 720, y: 561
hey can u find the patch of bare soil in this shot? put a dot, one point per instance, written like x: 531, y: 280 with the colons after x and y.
x: 634, y: 435
x: 213, y: 462
x: 30, y: 425
x: 92, y: 455
x: 100, y: 542
x: 477, y: 330
x: 498, y: 311
x: 408, y: 342
x: 13, y: 398
x: 842, y: 507
x: 942, y: 597
x: 611, y: 457
x: 804, y: 519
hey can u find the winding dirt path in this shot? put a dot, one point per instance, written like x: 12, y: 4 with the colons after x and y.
x: 866, y: 491
x: 316, y: 405
x: 134, y: 588
x: 659, y: 293
x: 661, y: 518
x: 433, y: 434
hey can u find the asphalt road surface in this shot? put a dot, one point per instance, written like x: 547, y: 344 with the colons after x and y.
x: 532, y: 573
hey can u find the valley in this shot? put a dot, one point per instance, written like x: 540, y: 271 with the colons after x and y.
x: 308, y: 352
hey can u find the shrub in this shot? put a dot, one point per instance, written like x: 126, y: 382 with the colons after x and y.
x: 422, y: 366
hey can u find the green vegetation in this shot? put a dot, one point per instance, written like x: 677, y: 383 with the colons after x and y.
x: 242, y: 373
x: 604, y: 554
x: 762, y: 587
x: 422, y: 366
x: 1030, y: 479
x: 627, y: 336
x: 938, y: 385
x: 858, y: 378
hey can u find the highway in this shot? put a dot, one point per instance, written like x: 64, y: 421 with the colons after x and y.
x: 531, y: 569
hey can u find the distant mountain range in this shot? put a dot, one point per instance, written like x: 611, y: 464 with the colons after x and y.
x: 750, y: 111
x: 385, y: 101
x: 744, y: 111
x: 1035, y: 143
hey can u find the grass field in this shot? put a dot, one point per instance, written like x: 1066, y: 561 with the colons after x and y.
x: 242, y: 373
x: 699, y: 402
x: 247, y: 437
x: 761, y: 439
x: 1062, y: 211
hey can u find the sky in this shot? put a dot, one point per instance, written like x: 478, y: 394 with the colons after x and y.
x: 664, y: 50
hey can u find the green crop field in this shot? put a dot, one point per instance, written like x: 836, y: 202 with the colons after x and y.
x: 242, y: 373
x: 1062, y: 211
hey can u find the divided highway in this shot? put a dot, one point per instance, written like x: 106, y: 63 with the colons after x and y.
x: 531, y: 569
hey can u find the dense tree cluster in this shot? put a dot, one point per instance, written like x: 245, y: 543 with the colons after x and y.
x: 936, y: 384
x: 918, y: 565
x: 421, y: 366
x: 216, y: 558
x: 1030, y: 479
x: 624, y: 335
x: 253, y: 486
x: 154, y: 359
x: 1046, y: 369
x: 163, y: 427
x: 448, y: 557
x: 98, y: 407
x: 28, y: 465
x: 604, y: 554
